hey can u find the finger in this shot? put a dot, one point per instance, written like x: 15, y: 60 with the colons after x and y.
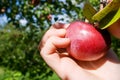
x: 53, y: 43
x: 56, y: 29
x: 48, y: 52
x: 52, y: 32
x: 55, y: 32
x: 59, y: 26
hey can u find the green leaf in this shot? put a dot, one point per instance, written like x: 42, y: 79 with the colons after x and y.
x: 113, y: 6
x: 108, y: 20
x: 89, y: 11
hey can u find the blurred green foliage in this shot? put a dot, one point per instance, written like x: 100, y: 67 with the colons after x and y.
x: 18, y: 51
x: 19, y: 43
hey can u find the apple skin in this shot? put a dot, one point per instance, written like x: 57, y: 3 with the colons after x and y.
x: 114, y: 29
x: 87, y: 42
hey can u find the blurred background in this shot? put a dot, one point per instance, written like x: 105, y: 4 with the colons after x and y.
x: 22, y: 25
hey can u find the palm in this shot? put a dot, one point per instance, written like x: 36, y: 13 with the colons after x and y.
x: 102, y: 68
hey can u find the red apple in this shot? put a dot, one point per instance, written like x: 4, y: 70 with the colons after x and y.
x: 87, y: 42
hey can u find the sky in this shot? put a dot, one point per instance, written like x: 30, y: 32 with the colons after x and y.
x: 3, y: 20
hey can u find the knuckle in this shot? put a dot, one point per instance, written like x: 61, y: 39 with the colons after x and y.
x: 52, y: 38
